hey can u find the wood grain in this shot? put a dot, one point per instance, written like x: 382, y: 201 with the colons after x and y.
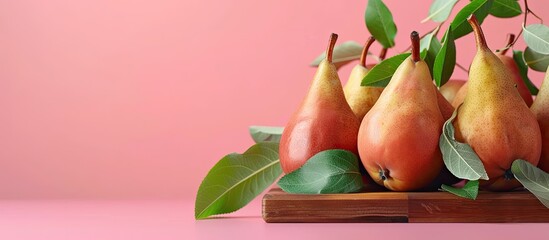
x: 492, y: 207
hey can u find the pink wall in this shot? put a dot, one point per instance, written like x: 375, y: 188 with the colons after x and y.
x: 138, y: 99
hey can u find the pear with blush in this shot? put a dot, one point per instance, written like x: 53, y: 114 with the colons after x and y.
x: 494, y: 119
x: 323, y: 121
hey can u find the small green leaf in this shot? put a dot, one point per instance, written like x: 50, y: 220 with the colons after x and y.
x: 536, y: 61
x: 343, y: 53
x: 380, y: 74
x: 505, y: 8
x: 523, y: 69
x: 458, y: 157
x: 445, y: 60
x: 440, y: 10
x: 470, y: 190
x: 330, y: 171
x: 430, y: 46
x: 266, y: 134
x: 533, y: 179
x: 536, y: 37
x: 480, y: 8
x: 380, y: 24
x: 237, y: 179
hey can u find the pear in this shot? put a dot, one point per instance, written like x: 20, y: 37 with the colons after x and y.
x: 450, y: 89
x: 540, y: 108
x: 323, y: 121
x: 361, y: 99
x: 494, y: 119
x: 398, y: 137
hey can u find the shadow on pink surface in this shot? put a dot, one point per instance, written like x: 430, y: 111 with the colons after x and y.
x: 167, y: 219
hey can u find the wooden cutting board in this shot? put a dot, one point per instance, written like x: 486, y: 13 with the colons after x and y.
x: 519, y: 206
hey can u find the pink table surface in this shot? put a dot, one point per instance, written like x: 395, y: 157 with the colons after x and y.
x: 173, y: 219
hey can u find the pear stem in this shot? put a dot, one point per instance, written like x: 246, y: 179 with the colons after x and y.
x: 479, y: 35
x: 510, y: 41
x: 364, y: 54
x: 414, y: 36
x: 330, y: 49
x: 383, y: 53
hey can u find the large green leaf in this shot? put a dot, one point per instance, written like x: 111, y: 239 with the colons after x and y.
x: 380, y: 74
x: 237, y: 179
x: 505, y: 8
x: 458, y: 157
x: 440, y: 10
x: 430, y: 46
x: 445, y: 60
x: 533, y: 179
x: 536, y: 61
x: 470, y: 190
x: 343, y: 53
x: 266, y: 134
x: 330, y: 171
x: 523, y: 69
x: 380, y: 24
x: 480, y: 8
x: 536, y: 37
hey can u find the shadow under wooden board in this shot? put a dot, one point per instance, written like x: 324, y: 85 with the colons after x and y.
x: 431, y: 207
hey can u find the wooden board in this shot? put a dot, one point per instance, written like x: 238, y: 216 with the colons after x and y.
x: 520, y: 206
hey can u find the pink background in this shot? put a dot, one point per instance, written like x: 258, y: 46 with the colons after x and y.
x: 139, y: 99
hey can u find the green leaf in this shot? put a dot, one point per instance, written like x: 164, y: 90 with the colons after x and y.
x: 380, y: 24
x: 330, y: 171
x: 536, y: 37
x: 458, y: 157
x: 237, y: 179
x: 505, y: 8
x: 536, y: 61
x: 380, y: 74
x: 480, y: 8
x: 533, y: 179
x: 266, y: 134
x: 523, y: 70
x: 470, y: 190
x: 430, y: 46
x: 440, y: 10
x: 343, y: 53
x: 445, y: 60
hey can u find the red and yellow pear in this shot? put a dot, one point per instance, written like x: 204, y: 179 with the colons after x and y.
x: 398, y: 137
x: 494, y: 119
x: 361, y: 99
x: 540, y: 108
x: 323, y: 121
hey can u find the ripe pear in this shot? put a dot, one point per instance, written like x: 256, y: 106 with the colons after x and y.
x: 540, y: 108
x: 398, y: 137
x: 494, y: 120
x: 450, y: 89
x: 361, y: 99
x: 323, y: 121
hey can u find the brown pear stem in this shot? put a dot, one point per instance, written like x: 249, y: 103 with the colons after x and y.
x: 383, y: 54
x: 510, y: 41
x: 330, y: 49
x: 479, y: 35
x: 364, y: 54
x: 414, y: 36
